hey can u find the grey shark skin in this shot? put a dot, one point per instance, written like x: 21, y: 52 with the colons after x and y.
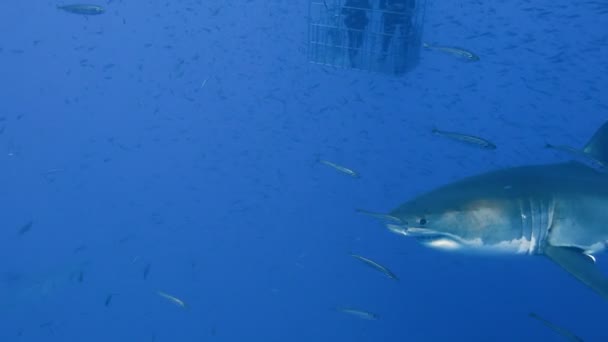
x: 557, y: 210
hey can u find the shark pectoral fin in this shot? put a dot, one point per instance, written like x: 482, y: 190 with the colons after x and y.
x: 577, y: 263
x: 598, y: 145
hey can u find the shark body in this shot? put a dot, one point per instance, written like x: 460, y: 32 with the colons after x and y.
x: 557, y: 210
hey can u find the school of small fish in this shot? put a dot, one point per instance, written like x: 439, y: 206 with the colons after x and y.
x: 142, y: 268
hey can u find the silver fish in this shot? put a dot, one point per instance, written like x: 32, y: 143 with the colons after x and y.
x: 358, y: 313
x: 83, y: 9
x: 172, y: 299
x: 562, y: 331
x: 340, y: 168
x: 375, y: 266
x: 455, y: 51
x: 585, y: 156
x: 397, y: 229
x: 466, y: 138
x: 384, y: 217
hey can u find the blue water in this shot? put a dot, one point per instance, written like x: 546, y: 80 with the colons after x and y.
x: 183, y: 136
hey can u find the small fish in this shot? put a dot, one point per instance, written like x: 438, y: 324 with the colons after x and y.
x: 172, y: 299
x: 52, y: 171
x: 385, y: 217
x: 51, y: 174
x: 79, y: 249
x: 147, y: 270
x: 469, y: 139
x: 456, y: 51
x: 108, y: 300
x: 48, y: 325
x: 82, y: 9
x: 562, y: 331
x: 375, y: 266
x: 565, y: 148
x: 126, y: 238
x: 25, y: 228
x: 397, y: 229
x: 340, y: 168
x: 578, y: 153
x: 80, y: 276
x: 358, y: 313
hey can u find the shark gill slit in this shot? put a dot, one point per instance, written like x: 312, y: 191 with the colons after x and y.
x: 537, y: 218
x: 526, y: 230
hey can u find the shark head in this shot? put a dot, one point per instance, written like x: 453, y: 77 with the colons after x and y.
x: 462, y: 216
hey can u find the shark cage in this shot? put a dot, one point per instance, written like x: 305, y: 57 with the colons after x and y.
x: 374, y: 35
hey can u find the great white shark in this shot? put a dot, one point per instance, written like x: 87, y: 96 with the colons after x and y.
x: 558, y: 210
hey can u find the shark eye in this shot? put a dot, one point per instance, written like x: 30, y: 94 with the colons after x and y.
x: 422, y: 221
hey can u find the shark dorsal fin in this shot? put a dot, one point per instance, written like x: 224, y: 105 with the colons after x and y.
x: 597, y: 147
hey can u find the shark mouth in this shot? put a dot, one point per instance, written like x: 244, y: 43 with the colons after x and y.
x: 418, y: 232
x: 446, y: 241
x: 434, y: 239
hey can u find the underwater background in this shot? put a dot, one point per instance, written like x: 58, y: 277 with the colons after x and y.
x: 172, y: 147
